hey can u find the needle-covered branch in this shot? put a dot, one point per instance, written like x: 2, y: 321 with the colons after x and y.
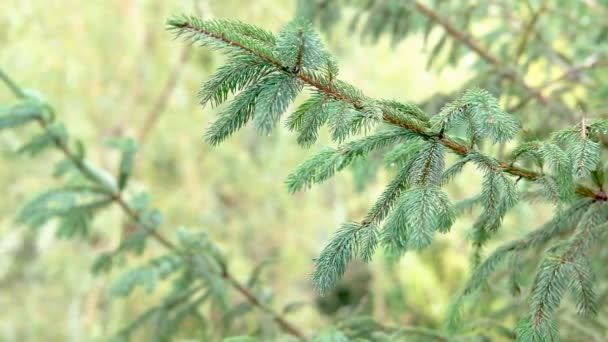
x: 413, y: 207
x: 334, y: 88
x: 100, y: 183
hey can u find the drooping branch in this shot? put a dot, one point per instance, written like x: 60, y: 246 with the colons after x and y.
x: 117, y: 197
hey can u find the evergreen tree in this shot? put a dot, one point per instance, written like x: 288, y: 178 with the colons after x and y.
x: 266, y: 72
x: 565, y: 167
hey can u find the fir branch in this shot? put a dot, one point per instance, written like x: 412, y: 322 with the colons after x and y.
x: 238, y: 113
x: 548, y: 290
x: 389, y: 196
x: 449, y: 174
x: 557, y: 225
x: 582, y: 288
x: 116, y: 196
x: 277, y: 92
x: 328, y: 160
x: 428, y: 164
x: 225, y: 274
x: 467, y: 40
x: 337, y: 90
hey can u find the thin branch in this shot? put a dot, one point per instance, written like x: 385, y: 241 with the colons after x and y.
x: 459, y: 35
x: 135, y: 216
x: 573, y: 71
x: 11, y: 85
x: 529, y: 29
x: 201, y: 8
x: 468, y: 40
x: 227, y: 276
x: 160, y: 105
x: 250, y: 296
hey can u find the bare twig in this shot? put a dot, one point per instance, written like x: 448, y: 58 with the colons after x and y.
x: 503, y: 68
x: 572, y: 71
x: 160, y: 105
x: 529, y: 28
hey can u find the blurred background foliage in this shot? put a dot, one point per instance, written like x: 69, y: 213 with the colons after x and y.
x: 111, y: 69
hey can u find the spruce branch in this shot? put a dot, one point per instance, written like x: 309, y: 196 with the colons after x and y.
x: 116, y: 195
x: 561, y: 224
x: 419, y: 192
x: 191, y: 26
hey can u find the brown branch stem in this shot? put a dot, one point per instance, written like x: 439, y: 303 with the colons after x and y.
x: 162, y: 100
x: 227, y: 276
x: 466, y: 39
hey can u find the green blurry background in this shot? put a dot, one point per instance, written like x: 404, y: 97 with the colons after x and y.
x: 107, y: 67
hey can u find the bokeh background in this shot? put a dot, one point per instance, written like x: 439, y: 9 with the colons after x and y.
x: 111, y: 69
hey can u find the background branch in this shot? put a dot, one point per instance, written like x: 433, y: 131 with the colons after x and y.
x: 134, y: 216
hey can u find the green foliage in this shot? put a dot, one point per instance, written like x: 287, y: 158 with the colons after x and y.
x: 73, y: 206
x: 19, y: 114
x: 299, y: 47
x: 147, y: 276
x: 54, y: 133
x: 308, y: 118
x: 413, y: 206
x: 480, y: 111
x: 277, y: 93
x: 433, y: 213
x: 583, y: 151
x: 194, y: 265
x: 239, y: 72
x: 127, y: 148
x: 236, y: 116
x: 332, y: 262
x: 266, y: 73
x: 566, y: 267
x: 329, y: 160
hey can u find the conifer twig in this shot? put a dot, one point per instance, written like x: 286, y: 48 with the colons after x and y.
x: 11, y: 85
x: 133, y: 214
x: 225, y: 274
